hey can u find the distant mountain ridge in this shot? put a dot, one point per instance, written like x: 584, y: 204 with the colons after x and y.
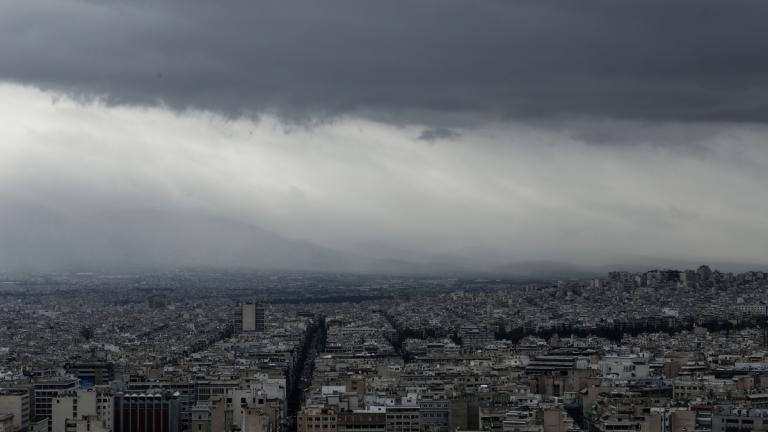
x: 42, y: 239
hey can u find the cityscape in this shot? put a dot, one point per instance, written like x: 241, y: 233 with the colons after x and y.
x: 383, y: 216
x: 662, y: 350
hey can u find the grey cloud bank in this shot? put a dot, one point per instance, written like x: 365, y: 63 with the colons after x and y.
x: 650, y: 60
x: 90, y: 184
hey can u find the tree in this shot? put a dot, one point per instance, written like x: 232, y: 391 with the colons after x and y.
x: 86, y: 332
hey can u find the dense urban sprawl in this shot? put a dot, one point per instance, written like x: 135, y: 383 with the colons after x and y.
x: 663, y: 350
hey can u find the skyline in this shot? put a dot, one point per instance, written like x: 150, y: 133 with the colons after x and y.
x: 359, y: 216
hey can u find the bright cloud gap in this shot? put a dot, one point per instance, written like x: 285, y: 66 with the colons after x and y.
x: 90, y: 184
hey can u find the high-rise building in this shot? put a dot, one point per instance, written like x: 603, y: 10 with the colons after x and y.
x: 261, y: 324
x: 156, y: 412
x: 185, y: 391
x: 45, y: 392
x: 250, y: 317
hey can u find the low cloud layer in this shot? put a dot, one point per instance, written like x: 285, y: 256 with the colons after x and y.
x: 406, y: 62
x: 91, y: 183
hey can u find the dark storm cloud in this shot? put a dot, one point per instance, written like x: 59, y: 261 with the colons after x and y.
x: 437, y: 134
x: 650, y: 59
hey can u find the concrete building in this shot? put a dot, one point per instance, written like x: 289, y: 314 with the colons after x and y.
x: 256, y: 420
x: 435, y: 415
x: 6, y: 423
x: 555, y: 420
x: 211, y: 416
x: 403, y: 419
x: 732, y: 420
x: 40, y: 425
x: 88, y: 424
x: 17, y: 403
x: 316, y: 419
x: 361, y: 421
x: 64, y: 408
x: 94, y: 406
x: 201, y: 418
x: 44, y: 394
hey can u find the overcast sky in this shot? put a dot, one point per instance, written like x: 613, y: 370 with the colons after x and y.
x: 343, y: 135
